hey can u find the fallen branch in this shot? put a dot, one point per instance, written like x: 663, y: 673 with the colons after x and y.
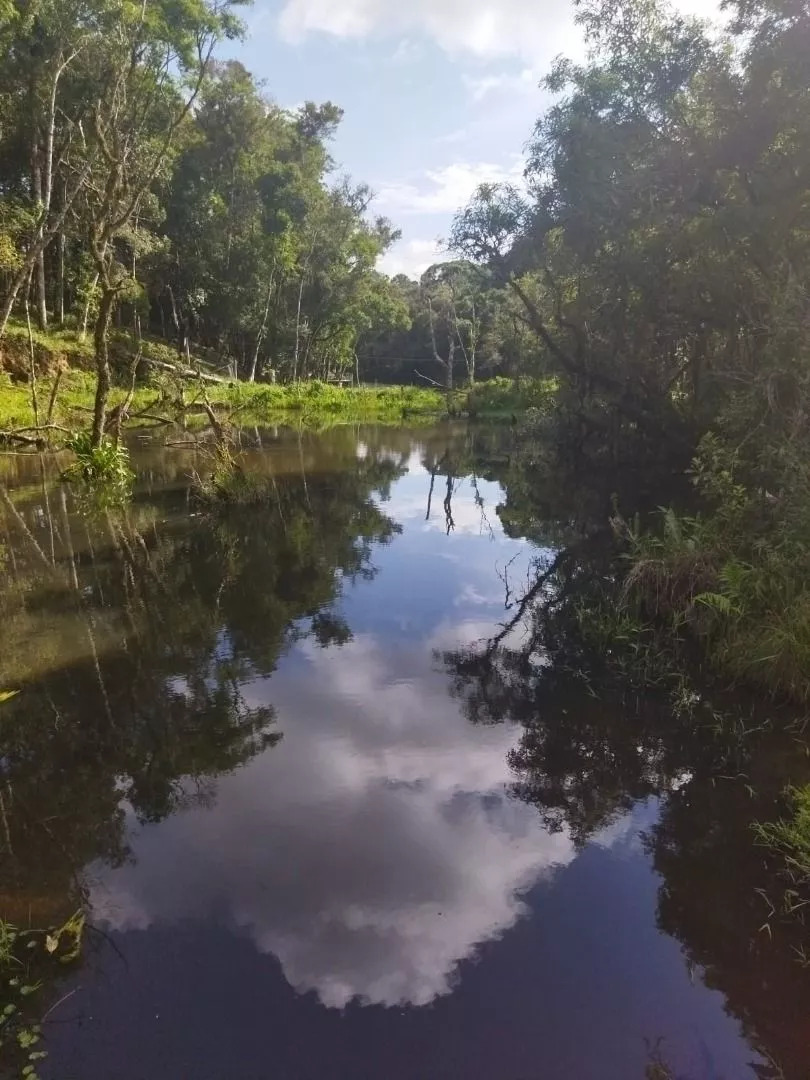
x: 431, y: 381
x: 22, y: 436
x: 8, y: 437
x: 187, y: 373
x: 154, y: 417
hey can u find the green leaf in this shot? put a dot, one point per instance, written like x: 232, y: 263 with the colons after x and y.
x: 7, y: 695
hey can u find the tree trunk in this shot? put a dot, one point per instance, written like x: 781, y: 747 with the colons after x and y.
x: 36, y: 186
x: 298, y: 330
x: 42, y: 295
x: 262, y: 331
x: 61, y: 281
x: 41, y: 241
x: 103, y: 377
x: 42, y: 209
x: 86, y: 316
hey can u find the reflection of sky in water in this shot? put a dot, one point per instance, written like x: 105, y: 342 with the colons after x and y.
x: 372, y: 851
x: 376, y: 848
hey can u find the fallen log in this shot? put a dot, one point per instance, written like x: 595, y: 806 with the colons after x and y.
x: 22, y: 436
x: 187, y: 372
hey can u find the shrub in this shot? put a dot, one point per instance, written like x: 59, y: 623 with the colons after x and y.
x: 105, y: 466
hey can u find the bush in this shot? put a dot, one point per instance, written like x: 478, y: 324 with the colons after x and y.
x: 737, y: 576
x: 105, y: 466
x: 229, y: 484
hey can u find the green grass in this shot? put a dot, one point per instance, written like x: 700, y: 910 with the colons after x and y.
x: 503, y: 398
x: 788, y: 842
x: 311, y: 404
x: 63, y: 343
x: 317, y: 404
x: 790, y: 837
x: 751, y: 614
x: 73, y: 405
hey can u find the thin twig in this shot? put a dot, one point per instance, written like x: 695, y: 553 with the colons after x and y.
x: 61, y: 1001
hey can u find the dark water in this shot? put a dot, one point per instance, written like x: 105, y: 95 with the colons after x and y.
x: 260, y: 747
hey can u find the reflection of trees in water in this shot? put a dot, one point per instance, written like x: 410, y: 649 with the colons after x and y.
x: 131, y: 636
x: 592, y: 745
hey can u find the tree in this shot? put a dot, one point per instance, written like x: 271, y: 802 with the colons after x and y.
x: 154, y: 60
x: 45, y: 43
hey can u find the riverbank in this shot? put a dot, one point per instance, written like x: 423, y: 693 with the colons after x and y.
x: 314, y: 405
x: 65, y: 388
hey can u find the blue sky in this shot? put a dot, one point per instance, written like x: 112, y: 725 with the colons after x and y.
x: 439, y: 95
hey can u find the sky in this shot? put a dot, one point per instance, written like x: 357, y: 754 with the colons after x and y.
x: 439, y: 95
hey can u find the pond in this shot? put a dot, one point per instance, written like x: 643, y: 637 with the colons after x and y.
x: 296, y: 767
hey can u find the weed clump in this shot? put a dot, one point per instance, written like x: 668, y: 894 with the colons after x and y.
x: 104, y: 469
x: 228, y: 483
x: 736, y: 576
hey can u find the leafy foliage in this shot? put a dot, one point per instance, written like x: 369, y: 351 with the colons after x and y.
x: 660, y: 253
x: 106, y: 465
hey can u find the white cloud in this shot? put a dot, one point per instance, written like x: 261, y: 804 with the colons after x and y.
x: 372, y: 851
x: 486, y: 29
x: 438, y: 192
x: 412, y: 258
x: 525, y: 82
x: 445, y: 190
x: 406, y: 52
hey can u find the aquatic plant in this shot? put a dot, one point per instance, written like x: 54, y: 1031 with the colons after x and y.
x: 106, y: 465
x: 789, y: 840
x: 29, y: 958
x: 228, y: 482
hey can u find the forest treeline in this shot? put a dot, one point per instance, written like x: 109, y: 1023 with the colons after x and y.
x: 148, y: 184
x: 660, y: 251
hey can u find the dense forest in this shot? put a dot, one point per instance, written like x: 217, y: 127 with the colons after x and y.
x: 660, y: 253
x: 147, y: 185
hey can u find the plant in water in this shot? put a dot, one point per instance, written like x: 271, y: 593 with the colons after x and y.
x: 736, y: 578
x: 106, y: 465
x: 789, y: 840
x: 229, y: 482
x: 27, y: 958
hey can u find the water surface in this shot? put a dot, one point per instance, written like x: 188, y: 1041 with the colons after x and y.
x: 253, y: 744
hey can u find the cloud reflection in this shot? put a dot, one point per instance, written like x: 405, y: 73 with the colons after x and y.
x: 371, y: 852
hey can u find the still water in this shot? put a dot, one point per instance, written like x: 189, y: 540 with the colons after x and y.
x: 257, y: 747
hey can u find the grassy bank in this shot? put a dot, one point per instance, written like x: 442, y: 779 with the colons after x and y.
x: 313, y: 404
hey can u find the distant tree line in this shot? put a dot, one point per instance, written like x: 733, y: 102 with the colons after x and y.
x: 148, y: 185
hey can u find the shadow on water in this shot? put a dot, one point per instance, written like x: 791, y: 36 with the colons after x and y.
x: 331, y: 677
